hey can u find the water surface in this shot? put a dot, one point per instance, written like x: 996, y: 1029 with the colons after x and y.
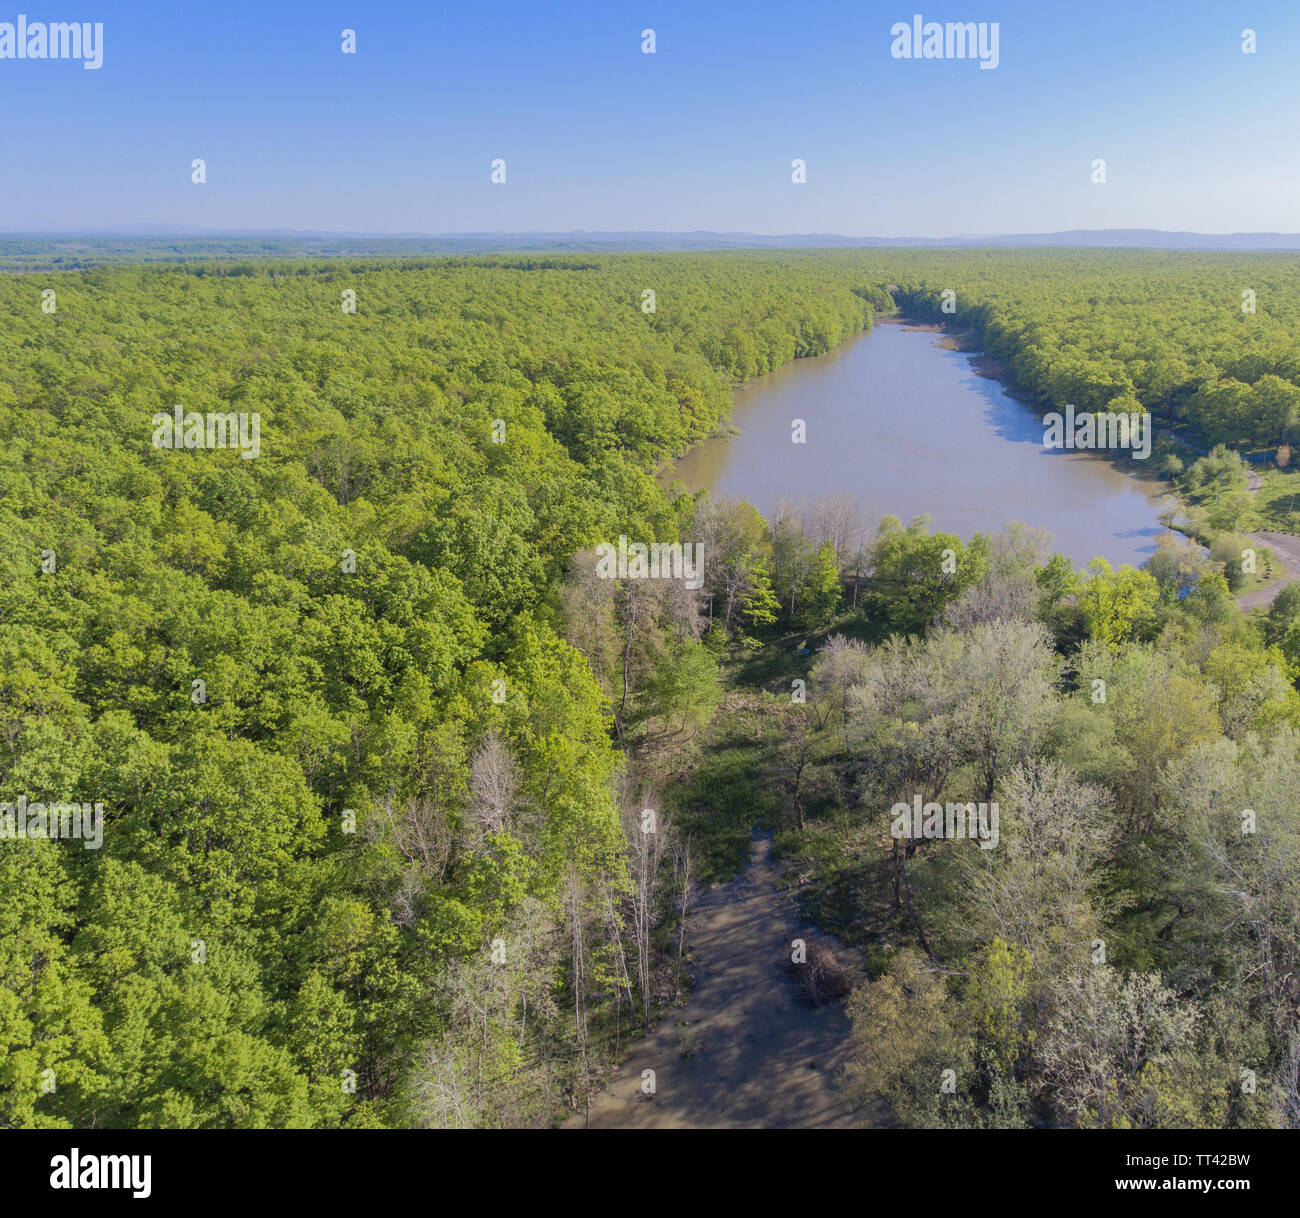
x: 908, y: 426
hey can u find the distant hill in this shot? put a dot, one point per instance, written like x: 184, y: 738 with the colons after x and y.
x: 1123, y: 238
x: 1108, y: 238
x: 145, y: 243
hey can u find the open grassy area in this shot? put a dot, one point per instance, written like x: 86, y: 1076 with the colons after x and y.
x: 729, y: 789
x: 1277, y: 503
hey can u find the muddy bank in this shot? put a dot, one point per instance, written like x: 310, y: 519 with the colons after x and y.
x: 747, y: 1051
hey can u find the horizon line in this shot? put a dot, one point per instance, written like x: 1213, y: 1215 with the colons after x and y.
x: 147, y: 229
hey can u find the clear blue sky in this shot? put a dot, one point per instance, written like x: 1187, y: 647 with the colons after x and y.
x: 400, y: 137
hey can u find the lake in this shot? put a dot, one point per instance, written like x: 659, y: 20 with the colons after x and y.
x: 908, y: 426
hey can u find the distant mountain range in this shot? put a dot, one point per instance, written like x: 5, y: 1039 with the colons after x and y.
x: 159, y: 237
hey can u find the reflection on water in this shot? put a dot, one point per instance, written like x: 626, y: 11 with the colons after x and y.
x: 908, y: 427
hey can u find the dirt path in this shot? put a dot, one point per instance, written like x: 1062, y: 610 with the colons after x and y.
x: 1286, y: 555
x: 759, y: 1058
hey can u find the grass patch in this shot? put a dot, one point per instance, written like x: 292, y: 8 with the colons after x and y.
x: 727, y: 794
x: 1278, y: 502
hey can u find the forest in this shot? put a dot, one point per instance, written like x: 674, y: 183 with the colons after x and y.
x: 376, y: 743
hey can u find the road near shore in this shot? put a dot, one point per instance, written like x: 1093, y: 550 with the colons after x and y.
x: 1286, y: 554
x: 1286, y: 567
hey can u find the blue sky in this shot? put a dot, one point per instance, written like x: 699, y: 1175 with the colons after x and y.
x: 596, y: 135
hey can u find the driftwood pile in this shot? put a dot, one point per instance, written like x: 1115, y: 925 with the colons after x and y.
x: 820, y: 979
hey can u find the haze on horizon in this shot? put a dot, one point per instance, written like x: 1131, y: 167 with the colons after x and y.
x: 399, y: 138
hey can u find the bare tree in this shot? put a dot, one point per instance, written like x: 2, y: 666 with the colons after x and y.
x: 588, y: 608
x: 1287, y: 1089
x: 636, y: 611
x: 1035, y: 891
x: 422, y: 835
x: 578, y: 976
x: 795, y: 755
x: 1009, y: 592
x: 1002, y: 681
x: 647, y: 836
x: 840, y: 666
x: 1108, y: 1035
x: 996, y: 598
x: 685, y: 889
x: 614, y: 929
x: 839, y: 521
x: 493, y: 786
x: 441, y: 1085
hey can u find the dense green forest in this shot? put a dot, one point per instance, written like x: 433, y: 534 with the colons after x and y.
x: 375, y: 745
x: 393, y: 758
x: 1205, y: 343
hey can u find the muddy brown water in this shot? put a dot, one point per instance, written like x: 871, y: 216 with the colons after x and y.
x: 908, y: 426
